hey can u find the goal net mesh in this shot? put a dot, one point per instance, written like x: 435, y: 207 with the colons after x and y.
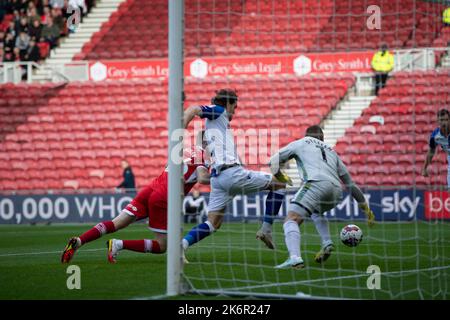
x: 300, y: 63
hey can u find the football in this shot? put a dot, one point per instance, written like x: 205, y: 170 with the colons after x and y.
x: 351, y: 235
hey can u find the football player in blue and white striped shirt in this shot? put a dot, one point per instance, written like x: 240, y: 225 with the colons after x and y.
x: 440, y: 136
x: 228, y: 176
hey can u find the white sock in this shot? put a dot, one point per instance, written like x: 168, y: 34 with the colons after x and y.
x: 280, y: 191
x: 185, y: 244
x: 322, y: 228
x: 292, y: 238
x: 119, y: 244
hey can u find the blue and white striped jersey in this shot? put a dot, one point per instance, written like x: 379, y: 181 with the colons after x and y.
x: 437, y: 138
x: 219, y: 136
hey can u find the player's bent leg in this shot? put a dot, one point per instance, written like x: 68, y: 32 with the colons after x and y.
x: 274, y: 201
x: 202, y: 230
x: 292, y: 239
x: 94, y: 233
x: 123, y: 220
x: 155, y: 246
x: 216, y: 218
x: 323, y: 229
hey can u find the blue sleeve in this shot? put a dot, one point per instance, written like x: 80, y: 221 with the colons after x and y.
x: 432, y: 140
x: 211, y: 112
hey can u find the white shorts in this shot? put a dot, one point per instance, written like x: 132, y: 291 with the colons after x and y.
x: 234, y: 181
x: 316, y: 197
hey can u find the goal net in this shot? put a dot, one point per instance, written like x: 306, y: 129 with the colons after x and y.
x: 300, y: 63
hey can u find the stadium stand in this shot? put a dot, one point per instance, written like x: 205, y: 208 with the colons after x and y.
x: 266, y: 28
x: 395, y: 153
x: 81, y: 131
x: 45, y: 23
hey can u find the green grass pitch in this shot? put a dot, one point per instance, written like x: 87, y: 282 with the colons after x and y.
x: 413, y: 259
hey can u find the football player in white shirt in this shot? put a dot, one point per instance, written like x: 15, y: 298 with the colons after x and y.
x: 322, y: 171
x: 440, y: 136
x: 228, y: 176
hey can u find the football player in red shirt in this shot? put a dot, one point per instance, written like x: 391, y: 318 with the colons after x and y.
x: 151, y: 203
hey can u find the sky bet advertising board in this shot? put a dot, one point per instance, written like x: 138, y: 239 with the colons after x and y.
x: 388, y: 205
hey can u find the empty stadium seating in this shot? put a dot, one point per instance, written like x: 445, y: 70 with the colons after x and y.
x: 76, y: 136
x: 395, y: 154
x: 266, y: 27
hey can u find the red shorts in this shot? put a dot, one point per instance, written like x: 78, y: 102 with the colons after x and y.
x: 152, y: 205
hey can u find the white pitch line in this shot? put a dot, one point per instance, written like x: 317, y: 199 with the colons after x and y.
x: 335, y: 278
x: 304, y: 281
x: 36, y: 253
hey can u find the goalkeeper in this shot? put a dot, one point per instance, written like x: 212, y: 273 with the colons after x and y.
x: 322, y: 172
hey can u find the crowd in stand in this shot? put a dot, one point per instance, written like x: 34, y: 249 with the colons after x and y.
x: 29, y: 29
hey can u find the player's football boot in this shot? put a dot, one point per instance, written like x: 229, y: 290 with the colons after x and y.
x: 266, y: 237
x: 113, y: 250
x: 324, y: 253
x: 293, y: 262
x: 70, y: 249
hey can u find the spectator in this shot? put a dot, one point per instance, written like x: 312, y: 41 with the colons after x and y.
x: 16, y: 19
x: 446, y: 17
x: 58, y: 19
x: 46, y: 15
x: 128, y: 178
x: 22, y: 43
x: 23, y: 6
x: 51, y: 33
x: 8, y: 55
x: 9, y: 42
x: 41, y: 5
x: 382, y: 64
x: 12, y: 28
x: 35, y: 30
x: 23, y: 25
x: 2, y: 54
x: 194, y: 207
x: 32, y: 16
x: 32, y: 53
x: 16, y: 54
x: 44, y: 48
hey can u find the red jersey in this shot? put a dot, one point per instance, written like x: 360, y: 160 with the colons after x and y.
x: 196, y: 159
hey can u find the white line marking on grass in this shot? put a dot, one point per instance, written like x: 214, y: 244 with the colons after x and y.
x: 35, y: 253
x: 303, y: 282
x: 336, y: 278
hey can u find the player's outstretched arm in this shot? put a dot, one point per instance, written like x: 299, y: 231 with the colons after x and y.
x: 190, y: 114
x: 357, y: 194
